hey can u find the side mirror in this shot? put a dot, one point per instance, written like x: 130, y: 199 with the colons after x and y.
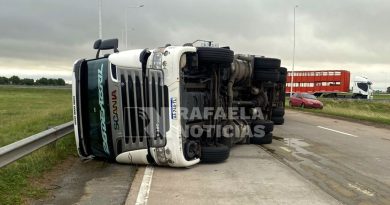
x: 109, y: 44
x: 106, y: 45
x: 97, y: 43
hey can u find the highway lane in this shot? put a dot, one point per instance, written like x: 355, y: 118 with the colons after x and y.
x: 348, y: 160
x: 249, y: 176
x: 312, y: 160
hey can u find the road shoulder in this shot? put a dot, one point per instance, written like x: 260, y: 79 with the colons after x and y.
x: 90, y: 182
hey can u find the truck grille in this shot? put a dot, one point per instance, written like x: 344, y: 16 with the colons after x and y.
x: 143, y: 108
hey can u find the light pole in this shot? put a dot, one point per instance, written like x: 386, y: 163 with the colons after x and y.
x: 130, y: 7
x: 100, y: 20
x: 293, y: 64
x: 123, y: 39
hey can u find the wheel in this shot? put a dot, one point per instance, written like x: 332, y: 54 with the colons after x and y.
x: 214, y: 154
x: 278, y: 112
x: 266, y: 75
x: 277, y: 120
x: 215, y: 55
x: 283, y: 71
x: 267, y: 139
x: 266, y: 63
x: 268, y: 125
x: 283, y: 97
x: 268, y: 84
x: 282, y: 78
x: 283, y: 75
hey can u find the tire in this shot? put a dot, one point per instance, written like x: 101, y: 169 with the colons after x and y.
x: 282, y: 97
x: 268, y: 84
x: 278, y: 112
x: 215, y: 55
x: 266, y: 75
x: 214, y: 154
x: 277, y: 120
x: 267, y: 139
x: 266, y: 63
x: 283, y: 70
x: 282, y: 79
x: 268, y: 125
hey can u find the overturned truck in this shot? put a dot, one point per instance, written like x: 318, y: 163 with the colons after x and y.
x: 174, y: 105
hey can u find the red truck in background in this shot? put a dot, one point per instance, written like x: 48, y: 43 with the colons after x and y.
x: 329, y: 83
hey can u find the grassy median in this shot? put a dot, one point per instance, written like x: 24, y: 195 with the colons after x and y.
x: 382, y: 96
x: 24, y: 112
x: 371, y: 111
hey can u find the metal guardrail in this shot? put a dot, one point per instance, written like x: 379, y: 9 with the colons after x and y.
x: 21, y: 148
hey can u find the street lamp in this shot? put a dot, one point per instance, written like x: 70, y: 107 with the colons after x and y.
x: 293, y: 64
x: 100, y: 20
x: 126, y: 9
x: 123, y: 41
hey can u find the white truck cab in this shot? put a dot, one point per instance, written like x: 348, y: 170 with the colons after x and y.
x: 136, y: 106
x: 362, y: 88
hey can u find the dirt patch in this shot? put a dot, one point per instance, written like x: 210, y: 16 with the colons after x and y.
x: 48, y: 181
x: 82, y: 182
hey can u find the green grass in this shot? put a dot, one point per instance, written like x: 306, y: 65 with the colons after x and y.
x: 24, y: 112
x: 371, y: 111
x: 381, y: 96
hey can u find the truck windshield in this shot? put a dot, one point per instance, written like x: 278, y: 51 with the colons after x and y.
x: 363, y: 86
x: 98, y: 129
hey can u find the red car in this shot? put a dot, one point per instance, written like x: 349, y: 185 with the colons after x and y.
x: 305, y: 100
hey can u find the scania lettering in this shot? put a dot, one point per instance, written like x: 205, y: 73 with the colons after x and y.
x: 115, y: 117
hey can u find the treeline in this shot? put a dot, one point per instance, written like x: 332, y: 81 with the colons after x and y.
x: 15, y: 80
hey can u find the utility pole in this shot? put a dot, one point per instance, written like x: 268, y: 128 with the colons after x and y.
x: 293, y: 64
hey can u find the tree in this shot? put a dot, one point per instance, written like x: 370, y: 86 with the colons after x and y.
x: 42, y: 81
x: 51, y: 81
x: 14, y: 80
x: 4, y: 81
x: 388, y: 90
x: 27, y: 81
x: 60, y: 81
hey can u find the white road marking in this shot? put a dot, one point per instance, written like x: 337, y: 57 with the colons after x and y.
x: 364, y: 191
x: 344, y: 133
x: 143, y: 194
x: 285, y: 149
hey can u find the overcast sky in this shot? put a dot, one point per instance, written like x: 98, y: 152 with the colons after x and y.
x: 44, y: 37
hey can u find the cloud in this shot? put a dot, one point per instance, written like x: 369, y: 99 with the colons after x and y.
x: 350, y: 34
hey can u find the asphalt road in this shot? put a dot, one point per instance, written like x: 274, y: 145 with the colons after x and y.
x: 90, y: 182
x: 312, y: 160
x: 350, y: 161
x: 249, y: 176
